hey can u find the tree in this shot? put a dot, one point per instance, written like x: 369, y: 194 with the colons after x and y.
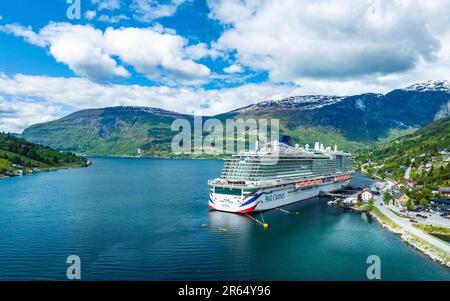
x: 387, y: 197
x: 370, y: 204
x: 424, y: 202
x: 410, y: 205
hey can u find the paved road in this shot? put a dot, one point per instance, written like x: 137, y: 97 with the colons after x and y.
x: 408, y: 170
x: 406, y: 225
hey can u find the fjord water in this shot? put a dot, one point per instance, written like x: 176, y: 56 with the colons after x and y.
x: 140, y: 219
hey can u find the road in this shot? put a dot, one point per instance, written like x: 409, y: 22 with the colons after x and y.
x: 408, y: 170
x: 407, y: 226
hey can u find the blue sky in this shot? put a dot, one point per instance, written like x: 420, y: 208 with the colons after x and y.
x: 210, y: 56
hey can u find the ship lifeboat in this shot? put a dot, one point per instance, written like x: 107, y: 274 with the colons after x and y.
x: 307, y: 183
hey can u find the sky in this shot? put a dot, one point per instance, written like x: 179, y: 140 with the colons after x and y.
x: 209, y: 56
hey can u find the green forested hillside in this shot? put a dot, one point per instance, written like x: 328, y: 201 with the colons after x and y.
x: 20, y: 156
x: 428, y: 148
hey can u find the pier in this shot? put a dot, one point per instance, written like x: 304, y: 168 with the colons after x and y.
x: 345, y: 193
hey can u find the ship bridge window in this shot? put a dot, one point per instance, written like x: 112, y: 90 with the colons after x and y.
x: 228, y: 191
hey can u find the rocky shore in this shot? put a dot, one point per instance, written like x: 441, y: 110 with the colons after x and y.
x: 417, y: 243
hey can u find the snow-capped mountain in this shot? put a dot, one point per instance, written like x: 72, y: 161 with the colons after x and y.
x: 305, y: 102
x: 431, y: 85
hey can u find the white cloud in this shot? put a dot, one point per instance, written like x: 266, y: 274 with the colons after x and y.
x: 112, y: 19
x: 201, y: 50
x: 82, y: 49
x: 26, y: 33
x: 158, y: 53
x: 343, y: 40
x: 90, y: 14
x: 107, y: 4
x: 19, y: 113
x: 235, y: 68
x: 149, y: 10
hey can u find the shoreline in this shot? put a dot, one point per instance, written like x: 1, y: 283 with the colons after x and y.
x: 425, y: 248
x: 38, y: 170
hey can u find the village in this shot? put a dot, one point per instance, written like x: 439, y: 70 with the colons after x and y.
x: 406, y: 199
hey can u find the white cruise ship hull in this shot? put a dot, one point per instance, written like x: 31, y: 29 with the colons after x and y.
x: 269, y: 198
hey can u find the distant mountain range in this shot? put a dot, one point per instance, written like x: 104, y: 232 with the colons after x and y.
x: 350, y: 121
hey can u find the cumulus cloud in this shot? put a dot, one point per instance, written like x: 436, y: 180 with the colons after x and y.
x: 235, y: 68
x: 82, y: 49
x: 158, y: 53
x: 149, y: 10
x: 154, y: 53
x: 331, y: 39
x: 18, y: 113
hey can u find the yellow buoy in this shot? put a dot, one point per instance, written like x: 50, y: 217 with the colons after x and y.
x: 266, y: 226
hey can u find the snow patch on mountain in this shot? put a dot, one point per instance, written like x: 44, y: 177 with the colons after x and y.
x: 149, y: 110
x: 443, y: 112
x: 431, y: 85
x: 306, y: 102
x: 360, y: 104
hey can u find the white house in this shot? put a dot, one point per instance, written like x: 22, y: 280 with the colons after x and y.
x: 365, y: 195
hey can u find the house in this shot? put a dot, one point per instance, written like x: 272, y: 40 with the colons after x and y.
x: 409, y: 183
x: 365, y: 195
x: 442, y: 205
x: 444, y: 191
x: 401, y: 199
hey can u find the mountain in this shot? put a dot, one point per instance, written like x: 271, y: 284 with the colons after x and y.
x: 427, y: 151
x: 117, y: 131
x: 365, y: 118
x: 350, y: 121
x: 18, y: 156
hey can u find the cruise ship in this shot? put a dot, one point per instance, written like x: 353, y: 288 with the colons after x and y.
x: 278, y: 174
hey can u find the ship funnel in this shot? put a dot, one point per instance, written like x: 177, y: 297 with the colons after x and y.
x: 316, y: 146
x: 256, y: 145
x: 335, y: 147
x: 307, y: 146
x: 321, y: 147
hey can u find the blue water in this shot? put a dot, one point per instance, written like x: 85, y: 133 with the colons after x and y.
x: 141, y: 219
